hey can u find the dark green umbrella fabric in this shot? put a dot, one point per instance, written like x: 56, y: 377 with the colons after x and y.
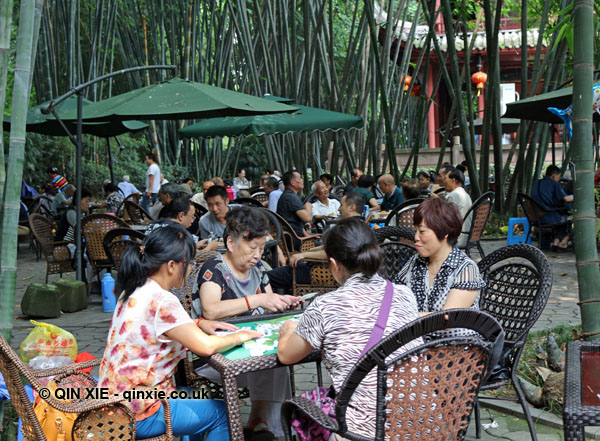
x: 535, y: 108
x: 178, y: 99
x: 509, y: 125
x: 38, y: 122
x: 306, y: 119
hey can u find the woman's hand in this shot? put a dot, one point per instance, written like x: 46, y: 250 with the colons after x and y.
x: 248, y: 335
x: 287, y: 327
x: 210, y: 326
x: 276, y: 302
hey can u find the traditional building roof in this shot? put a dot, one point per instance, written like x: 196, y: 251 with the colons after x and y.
x: 508, y: 39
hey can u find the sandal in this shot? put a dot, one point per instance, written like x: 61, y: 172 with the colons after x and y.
x: 258, y: 430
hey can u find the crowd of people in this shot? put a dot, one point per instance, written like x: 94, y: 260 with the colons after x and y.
x: 150, y: 331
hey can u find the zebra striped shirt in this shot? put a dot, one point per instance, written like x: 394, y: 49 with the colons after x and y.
x: 340, y: 324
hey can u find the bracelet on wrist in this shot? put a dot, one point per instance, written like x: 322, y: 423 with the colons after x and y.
x: 248, y: 303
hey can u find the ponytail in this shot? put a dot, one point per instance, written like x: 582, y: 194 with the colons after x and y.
x: 138, y: 262
x: 352, y: 243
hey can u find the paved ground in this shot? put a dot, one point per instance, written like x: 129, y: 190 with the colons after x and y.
x: 90, y: 327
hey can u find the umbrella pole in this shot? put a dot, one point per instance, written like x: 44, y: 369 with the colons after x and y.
x: 110, y: 161
x: 553, y: 134
x: 78, y: 249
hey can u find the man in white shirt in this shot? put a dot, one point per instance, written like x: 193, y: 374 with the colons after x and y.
x: 152, y: 181
x: 272, y: 190
x: 127, y: 187
x: 199, y: 198
x: 457, y: 194
x: 323, y: 208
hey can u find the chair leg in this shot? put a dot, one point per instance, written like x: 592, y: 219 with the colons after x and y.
x: 477, y: 419
x: 521, y: 398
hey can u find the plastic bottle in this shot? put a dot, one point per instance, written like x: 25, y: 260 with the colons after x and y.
x: 109, y: 299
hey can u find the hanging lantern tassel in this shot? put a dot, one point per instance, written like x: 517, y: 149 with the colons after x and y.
x: 407, y: 79
x: 479, y: 78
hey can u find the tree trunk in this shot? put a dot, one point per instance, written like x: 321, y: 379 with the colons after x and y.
x: 10, y: 213
x: 586, y: 255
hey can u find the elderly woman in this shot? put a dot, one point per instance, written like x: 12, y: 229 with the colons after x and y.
x: 440, y: 275
x: 340, y: 323
x: 234, y: 284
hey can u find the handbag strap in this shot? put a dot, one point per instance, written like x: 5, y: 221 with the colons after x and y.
x: 382, y: 318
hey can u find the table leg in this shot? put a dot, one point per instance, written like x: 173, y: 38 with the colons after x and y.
x: 233, y: 404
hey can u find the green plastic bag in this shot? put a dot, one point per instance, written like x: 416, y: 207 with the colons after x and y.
x: 48, y: 340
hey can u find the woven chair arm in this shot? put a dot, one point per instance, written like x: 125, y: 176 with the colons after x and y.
x: 84, y: 405
x: 310, y: 409
x: 69, y: 369
x: 310, y: 236
x: 312, y: 259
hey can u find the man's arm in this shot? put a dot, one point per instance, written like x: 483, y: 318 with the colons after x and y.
x: 150, y: 182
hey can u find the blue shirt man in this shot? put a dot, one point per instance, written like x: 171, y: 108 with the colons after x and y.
x: 392, y: 194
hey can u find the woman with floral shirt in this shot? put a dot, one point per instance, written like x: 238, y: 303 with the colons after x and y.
x: 151, y: 332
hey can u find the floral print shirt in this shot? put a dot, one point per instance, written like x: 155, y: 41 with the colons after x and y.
x: 138, y: 353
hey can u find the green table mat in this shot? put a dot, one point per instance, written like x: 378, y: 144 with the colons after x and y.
x: 243, y: 351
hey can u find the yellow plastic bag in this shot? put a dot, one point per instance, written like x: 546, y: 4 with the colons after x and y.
x: 48, y: 340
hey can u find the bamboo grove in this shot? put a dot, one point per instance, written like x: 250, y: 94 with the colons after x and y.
x: 324, y: 53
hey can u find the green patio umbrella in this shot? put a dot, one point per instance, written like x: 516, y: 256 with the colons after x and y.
x: 177, y: 99
x: 535, y: 108
x: 306, y: 119
x: 38, y: 122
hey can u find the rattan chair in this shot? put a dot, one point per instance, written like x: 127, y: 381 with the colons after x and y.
x: 136, y: 214
x: 93, y: 229
x: 200, y: 210
x: 519, y: 281
x: 395, y: 234
x: 133, y: 197
x: 402, y: 215
x: 480, y: 213
x: 97, y: 419
x: 321, y: 278
x: 289, y: 236
x: 271, y: 252
x: 534, y: 212
x: 56, y: 253
x: 250, y: 202
x: 395, y: 256
x: 260, y: 196
x: 115, y: 242
x: 426, y: 393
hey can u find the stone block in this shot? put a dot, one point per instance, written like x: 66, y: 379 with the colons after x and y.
x: 41, y: 300
x: 73, y: 294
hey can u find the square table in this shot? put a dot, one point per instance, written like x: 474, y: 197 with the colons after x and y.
x: 582, y: 389
x: 238, y: 361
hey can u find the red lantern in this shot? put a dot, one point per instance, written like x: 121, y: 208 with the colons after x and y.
x: 407, y: 79
x: 479, y: 78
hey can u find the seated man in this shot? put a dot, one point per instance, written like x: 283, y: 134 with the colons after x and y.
x: 200, y: 197
x: 180, y: 211
x: 392, y: 194
x: 213, y: 222
x: 281, y: 278
x: 323, y: 208
x: 411, y: 189
x: 166, y: 194
x: 290, y: 205
x: 456, y: 193
x: 62, y: 200
x: 551, y: 196
x: 272, y: 190
x: 354, y: 176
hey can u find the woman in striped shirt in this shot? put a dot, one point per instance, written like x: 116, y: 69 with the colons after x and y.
x: 340, y: 323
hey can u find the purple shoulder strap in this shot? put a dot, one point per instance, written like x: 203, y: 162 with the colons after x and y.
x: 382, y: 318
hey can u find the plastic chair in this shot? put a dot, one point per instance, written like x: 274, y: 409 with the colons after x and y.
x: 432, y: 388
x: 534, y: 212
x: 395, y: 234
x: 395, y: 256
x: 511, y: 237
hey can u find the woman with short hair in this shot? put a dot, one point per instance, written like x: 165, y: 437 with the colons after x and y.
x: 340, y: 323
x: 236, y: 284
x: 440, y: 275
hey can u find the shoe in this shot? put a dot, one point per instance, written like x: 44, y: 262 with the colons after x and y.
x: 258, y: 430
